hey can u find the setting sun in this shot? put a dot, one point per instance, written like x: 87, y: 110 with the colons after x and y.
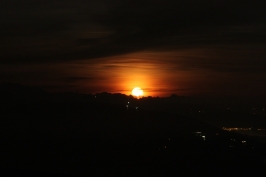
x: 137, y: 91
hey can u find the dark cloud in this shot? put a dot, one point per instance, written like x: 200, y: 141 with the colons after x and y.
x: 79, y: 78
x: 110, y: 45
x: 50, y: 31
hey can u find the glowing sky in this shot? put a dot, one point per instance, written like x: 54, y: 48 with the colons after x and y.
x: 164, y: 47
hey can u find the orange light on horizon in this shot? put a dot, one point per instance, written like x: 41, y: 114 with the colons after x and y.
x: 137, y: 91
x: 120, y: 74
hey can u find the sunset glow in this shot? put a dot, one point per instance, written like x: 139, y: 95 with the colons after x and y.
x: 132, y: 87
x: 137, y: 91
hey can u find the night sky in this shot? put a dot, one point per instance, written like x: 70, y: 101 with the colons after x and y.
x: 190, y: 47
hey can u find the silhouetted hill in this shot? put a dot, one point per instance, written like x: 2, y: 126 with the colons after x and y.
x: 14, y: 93
x: 29, y: 173
x: 104, y: 139
x: 114, y: 134
x: 20, y: 94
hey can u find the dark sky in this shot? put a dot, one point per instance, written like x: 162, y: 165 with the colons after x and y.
x: 188, y: 47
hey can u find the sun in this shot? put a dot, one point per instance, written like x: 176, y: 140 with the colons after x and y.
x: 137, y: 91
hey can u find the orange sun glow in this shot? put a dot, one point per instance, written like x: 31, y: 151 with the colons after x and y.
x: 137, y: 91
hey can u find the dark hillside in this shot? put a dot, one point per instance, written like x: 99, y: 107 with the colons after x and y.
x: 105, y: 139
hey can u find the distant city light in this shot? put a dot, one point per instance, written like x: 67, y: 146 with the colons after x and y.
x: 236, y: 129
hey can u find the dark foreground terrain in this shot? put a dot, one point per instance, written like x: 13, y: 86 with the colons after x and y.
x: 79, y: 138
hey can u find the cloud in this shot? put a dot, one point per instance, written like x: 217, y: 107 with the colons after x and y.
x: 82, y: 79
x: 52, y: 31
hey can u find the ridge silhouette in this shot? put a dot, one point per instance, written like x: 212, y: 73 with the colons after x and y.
x: 85, y: 134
